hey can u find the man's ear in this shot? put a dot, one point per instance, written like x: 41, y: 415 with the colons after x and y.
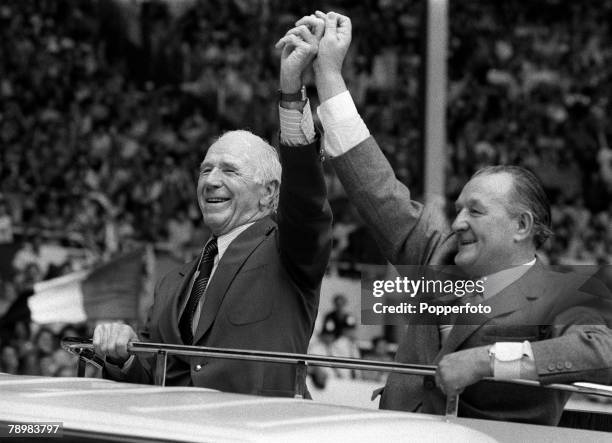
x: 270, y: 192
x: 525, y: 222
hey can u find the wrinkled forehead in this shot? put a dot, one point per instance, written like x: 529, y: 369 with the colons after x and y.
x: 241, y: 145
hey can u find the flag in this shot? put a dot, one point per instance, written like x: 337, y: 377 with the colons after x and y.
x: 109, y: 291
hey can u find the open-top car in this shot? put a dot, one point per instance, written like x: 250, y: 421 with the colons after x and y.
x: 96, y: 410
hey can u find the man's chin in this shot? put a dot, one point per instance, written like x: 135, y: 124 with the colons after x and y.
x: 216, y: 224
x: 463, y: 260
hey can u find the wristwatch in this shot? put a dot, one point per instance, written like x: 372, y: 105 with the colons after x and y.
x: 299, y: 96
x: 505, y: 359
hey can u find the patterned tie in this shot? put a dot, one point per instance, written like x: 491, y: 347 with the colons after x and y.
x: 199, y: 286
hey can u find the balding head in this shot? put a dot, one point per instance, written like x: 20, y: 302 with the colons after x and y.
x: 239, y: 181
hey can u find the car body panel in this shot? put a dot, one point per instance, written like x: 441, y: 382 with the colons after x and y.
x: 187, y: 414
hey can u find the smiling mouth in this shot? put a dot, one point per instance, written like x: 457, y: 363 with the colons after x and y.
x: 215, y: 200
x: 466, y: 242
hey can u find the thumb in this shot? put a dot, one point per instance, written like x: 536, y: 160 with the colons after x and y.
x: 331, y: 24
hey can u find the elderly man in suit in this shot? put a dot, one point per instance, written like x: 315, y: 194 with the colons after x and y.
x: 256, y: 284
x: 543, y: 326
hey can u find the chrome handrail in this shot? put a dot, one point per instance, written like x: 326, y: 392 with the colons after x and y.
x: 84, y: 349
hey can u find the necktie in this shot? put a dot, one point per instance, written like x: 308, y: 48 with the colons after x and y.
x: 199, y: 286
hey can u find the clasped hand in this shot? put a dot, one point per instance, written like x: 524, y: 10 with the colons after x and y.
x: 318, y: 39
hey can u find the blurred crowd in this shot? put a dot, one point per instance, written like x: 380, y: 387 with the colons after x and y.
x: 106, y: 109
x: 37, y: 351
x: 338, y: 338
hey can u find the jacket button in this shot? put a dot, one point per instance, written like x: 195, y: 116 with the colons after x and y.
x: 568, y: 365
x: 560, y: 365
x: 198, y: 368
x: 551, y: 367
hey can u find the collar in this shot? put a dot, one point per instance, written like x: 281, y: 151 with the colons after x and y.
x: 223, y: 241
x: 495, y: 283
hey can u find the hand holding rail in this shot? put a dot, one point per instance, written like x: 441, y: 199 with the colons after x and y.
x: 85, y: 350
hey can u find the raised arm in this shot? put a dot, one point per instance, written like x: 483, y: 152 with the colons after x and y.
x: 304, y: 215
x: 406, y: 231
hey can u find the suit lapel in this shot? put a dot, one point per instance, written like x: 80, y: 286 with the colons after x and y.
x: 234, y: 257
x: 510, y: 299
x: 176, y: 301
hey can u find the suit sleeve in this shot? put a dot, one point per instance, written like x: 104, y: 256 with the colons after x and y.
x: 407, y: 232
x: 304, y: 215
x: 139, y: 369
x: 581, y: 347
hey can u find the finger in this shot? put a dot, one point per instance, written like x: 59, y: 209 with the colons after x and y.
x: 320, y: 15
x: 439, y: 383
x: 114, y: 339
x: 279, y: 44
x: 315, y: 25
x: 115, y: 343
x: 288, y: 40
x: 344, y: 25
x: 96, y: 338
x: 122, y: 341
x: 285, y: 45
x: 294, y: 41
x: 304, y: 33
x: 331, y: 24
x: 103, y: 339
x: 111, y: 339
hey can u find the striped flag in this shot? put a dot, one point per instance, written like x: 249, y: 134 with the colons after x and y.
x: 109, y: 291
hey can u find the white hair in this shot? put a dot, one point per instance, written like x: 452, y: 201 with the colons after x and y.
x: 267, y: 164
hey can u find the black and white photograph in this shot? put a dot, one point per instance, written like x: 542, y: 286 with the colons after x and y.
x: 305, y: 221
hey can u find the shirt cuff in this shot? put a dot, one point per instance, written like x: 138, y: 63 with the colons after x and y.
x: 514, y: 361
x: 296, y: 127
x: 343, y: 126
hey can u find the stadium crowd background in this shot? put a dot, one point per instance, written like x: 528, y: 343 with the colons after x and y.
x: 106, y: 109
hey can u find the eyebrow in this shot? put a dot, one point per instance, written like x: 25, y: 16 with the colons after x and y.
x: 470, y: 202
x: 223, y: 164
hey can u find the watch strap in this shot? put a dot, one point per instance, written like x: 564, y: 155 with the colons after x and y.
x: 299, y: 96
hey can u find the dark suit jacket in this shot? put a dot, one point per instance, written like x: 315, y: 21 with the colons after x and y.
x: 264, y: 294
x: 564, y: 324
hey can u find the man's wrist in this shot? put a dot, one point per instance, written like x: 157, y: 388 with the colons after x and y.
x: 508, y: 358
x: 292, y: 98
x: 290, y: 84
x: 329, y: 84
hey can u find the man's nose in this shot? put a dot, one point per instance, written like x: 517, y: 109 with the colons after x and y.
x: 459, y: 224
x: 213, y: 178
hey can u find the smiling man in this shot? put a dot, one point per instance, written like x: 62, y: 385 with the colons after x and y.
x: 502, y: 216
x: 256, y: 283
x: 238, y: 183
x: 543, y: 326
